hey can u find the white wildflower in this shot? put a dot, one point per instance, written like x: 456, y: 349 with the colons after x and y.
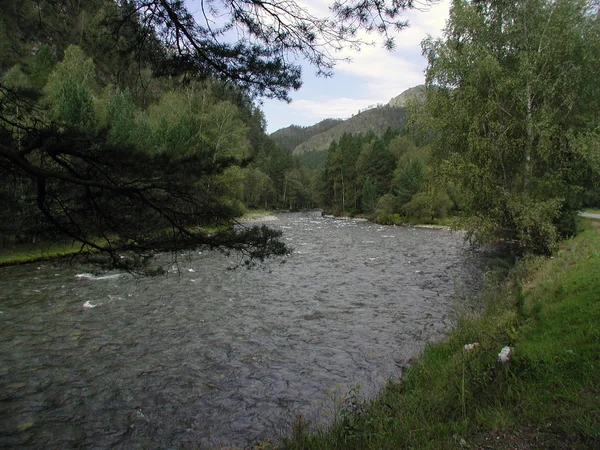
x: 469, y: 347
x: 504, y: 355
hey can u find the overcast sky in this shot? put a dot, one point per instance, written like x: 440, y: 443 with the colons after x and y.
x: 375, y: 75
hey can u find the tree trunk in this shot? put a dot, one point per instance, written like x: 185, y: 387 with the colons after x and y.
x: 529, y: 144
x: 343, y: 192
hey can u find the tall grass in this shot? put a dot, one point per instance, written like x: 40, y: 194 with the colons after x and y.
x: 24, y: 253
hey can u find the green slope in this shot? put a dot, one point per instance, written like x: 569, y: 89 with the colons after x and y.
x: 376, y: 120
x: 547, y: 310
x: 292, y: 136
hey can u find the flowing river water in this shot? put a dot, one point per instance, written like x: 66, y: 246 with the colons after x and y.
x: 211, y: 357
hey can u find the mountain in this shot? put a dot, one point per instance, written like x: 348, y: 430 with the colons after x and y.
x: 414, y: 93
x: 376, y: 119
x: 292, y: 136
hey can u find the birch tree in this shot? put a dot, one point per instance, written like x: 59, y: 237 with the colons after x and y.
x: 511, y: 87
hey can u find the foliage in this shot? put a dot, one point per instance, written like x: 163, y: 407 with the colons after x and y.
x: 368, y: 196
x: 314, y: 160
x: 512, y: 88
x: 386, y: 205
x: 408, y: 178
x: 428, y: 204
x: 132, y: 125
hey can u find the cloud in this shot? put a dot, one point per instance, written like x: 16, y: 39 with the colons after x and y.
x: 337, y: 108
x: 404, y: 65
x: 432, y: 20
x: 374, y: 75
x: 383, y: 73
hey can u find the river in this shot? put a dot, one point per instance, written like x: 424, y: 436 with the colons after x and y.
x: 209, y: 357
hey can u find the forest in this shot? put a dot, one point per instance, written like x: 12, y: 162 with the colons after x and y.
x: 129, y: 126
x: 507, y: 139
x: 113, y: 141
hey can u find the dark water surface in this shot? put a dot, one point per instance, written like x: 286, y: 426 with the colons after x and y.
x: 213, y: 357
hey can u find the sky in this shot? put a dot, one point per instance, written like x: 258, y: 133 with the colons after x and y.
x: 374, y: 75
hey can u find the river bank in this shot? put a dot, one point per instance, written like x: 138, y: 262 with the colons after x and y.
x: 458, y: 394
x: 41, y: 251
x: 206, y: 357
x: 45, y: 251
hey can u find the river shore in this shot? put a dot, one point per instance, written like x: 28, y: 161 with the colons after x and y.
x: 519, y: 370
x: 43, y: 251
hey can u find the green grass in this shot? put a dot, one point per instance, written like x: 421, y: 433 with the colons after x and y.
x: 24, y: 253
x: 548, y: 396
x: 592, y: 210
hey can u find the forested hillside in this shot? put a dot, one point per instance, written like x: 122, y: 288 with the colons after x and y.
x: 292, y: 136
x: 376, y: 120
x: 311, y: 144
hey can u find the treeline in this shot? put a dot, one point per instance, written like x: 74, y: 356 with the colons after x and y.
x: 86, y: 95
x: 508, y: 137
x: 380, y: 176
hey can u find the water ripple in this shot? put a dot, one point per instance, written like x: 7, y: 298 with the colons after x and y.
x: 206, y: 356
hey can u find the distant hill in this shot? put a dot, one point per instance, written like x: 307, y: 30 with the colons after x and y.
x: 292, y: 136
x: 378, y: 119
x: 414, y: 93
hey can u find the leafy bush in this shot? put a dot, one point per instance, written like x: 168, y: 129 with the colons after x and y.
x: 389, y: 219
x: 428, y: 205
x: 387, y: 204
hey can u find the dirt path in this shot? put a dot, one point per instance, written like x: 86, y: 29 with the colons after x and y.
x: 590, y: 215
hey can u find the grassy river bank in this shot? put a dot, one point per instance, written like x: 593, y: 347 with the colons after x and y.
x: 547, y: 310
x: 24, y: 253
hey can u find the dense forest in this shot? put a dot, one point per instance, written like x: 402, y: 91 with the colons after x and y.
x: 507, y: 139
x: 131, y: 126
x: 377, y: 176
x: 113, y: 140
